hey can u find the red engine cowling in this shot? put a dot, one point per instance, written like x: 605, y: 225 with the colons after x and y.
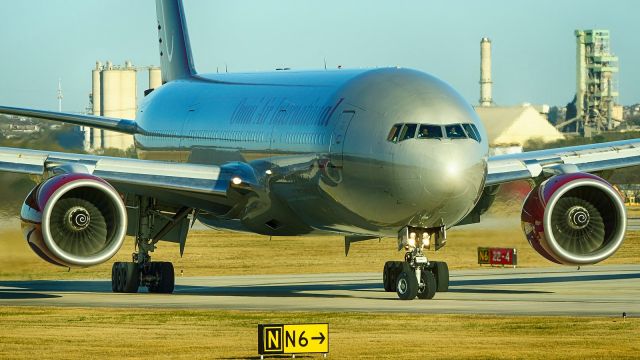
x: 74, y: 220
x: 574, y: 219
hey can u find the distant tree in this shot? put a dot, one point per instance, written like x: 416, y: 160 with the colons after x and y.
x: 128, y: 153
x: 634, y: 120
x: 572, y: 112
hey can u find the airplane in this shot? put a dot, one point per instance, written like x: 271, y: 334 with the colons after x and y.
x: 388, y: 152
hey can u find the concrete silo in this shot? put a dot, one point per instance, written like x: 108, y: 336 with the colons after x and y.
x: 155, y: 77
x: 114, y: 94
x: 93, y: 137
x: 117, y: 100
x: 128, y: 102
x: 109, y: 99
x: 95, y: 88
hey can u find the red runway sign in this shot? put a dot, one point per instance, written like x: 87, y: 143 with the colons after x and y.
x: 497, y: 256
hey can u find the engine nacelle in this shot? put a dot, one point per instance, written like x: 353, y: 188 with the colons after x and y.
x: 574, y: 219
x: 74, y: 220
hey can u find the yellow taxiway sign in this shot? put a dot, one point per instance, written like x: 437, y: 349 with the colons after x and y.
x: 293, y: 339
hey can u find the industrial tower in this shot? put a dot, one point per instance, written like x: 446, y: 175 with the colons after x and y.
x: 596, y: 89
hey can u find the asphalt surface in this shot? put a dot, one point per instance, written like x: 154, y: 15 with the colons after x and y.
x: 591, y: 291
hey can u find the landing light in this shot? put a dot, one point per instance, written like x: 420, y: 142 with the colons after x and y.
x: 412, y: 240
x: 426, y: 240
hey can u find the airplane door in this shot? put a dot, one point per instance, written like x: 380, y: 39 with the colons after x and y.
x: 338, y: 137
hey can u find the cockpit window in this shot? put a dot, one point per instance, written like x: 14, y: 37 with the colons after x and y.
x: 471, y: 132
x: 394, y: 133
x: 455, y: 131
x: 408, y: 131
x: 473, y: 126
x: 401, y: 132
x: 430, y: 132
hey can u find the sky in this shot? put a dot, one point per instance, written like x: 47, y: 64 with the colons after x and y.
x: 533, y: 42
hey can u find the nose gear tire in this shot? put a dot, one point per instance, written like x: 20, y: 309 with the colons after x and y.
x: 441, y: 272
x: 407, y: 285
x: 390, y: 275
x: 427, y: 288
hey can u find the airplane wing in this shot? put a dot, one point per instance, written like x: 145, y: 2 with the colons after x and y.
x: 585, y: 158
x: 204, y: 187
x: 198, y: 186
x: 124, y: 126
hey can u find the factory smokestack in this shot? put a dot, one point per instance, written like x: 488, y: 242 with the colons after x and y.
x: 485, y: 72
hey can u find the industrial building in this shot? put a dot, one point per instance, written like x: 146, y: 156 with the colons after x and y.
x: 595, y: 108
x: 510, y: 128
x: 114, y: 94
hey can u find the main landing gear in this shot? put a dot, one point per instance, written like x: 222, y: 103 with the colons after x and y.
x: 157, y: 277
x: 416, y: 275
x: 127, y: 277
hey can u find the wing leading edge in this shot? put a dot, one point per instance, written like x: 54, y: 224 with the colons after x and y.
x: 584, y: 158
x: 199, y: 186
x: 105, y: 123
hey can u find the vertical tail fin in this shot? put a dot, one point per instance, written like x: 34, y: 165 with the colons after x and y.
x: 176, y: 61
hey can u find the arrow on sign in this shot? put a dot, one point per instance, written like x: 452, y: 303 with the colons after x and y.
x: 321, y: 338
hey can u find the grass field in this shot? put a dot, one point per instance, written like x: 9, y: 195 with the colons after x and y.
x: 79, y: 333
x: 225, y: 253
x: 65, y: 333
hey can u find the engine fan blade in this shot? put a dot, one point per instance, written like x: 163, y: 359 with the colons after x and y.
x: 578, y: 225
x: 79, y: 239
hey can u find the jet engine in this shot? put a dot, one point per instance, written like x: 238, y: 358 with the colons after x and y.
x: 74, y: 220
x: 574, y: 219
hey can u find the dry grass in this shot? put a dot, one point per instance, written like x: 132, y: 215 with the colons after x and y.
x: 226, y: 253
x: 633, y: 211
x: 50, y: 333
x: 69, y: 333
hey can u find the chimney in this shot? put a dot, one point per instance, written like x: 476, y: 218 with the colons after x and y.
x: 485, y: 73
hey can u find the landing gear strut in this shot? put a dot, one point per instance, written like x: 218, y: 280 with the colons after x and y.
x: 416, y: 275
x: 158, y: 277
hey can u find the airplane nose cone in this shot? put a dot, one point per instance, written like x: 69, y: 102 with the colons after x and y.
x: 456, y: 170
x: 444, y: 181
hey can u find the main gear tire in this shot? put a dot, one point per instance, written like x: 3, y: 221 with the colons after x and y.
x: 165, y: 278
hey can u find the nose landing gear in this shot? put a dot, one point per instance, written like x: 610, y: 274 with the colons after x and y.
x: 416, y: 275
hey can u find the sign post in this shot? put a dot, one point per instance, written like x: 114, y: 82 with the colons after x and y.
x: 277, y: 339
x: 497, y: 256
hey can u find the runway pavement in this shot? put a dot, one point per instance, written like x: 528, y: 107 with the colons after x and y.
x: 592, y: 291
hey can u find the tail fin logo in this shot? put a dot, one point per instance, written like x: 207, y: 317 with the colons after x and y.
x: 164, y: 28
